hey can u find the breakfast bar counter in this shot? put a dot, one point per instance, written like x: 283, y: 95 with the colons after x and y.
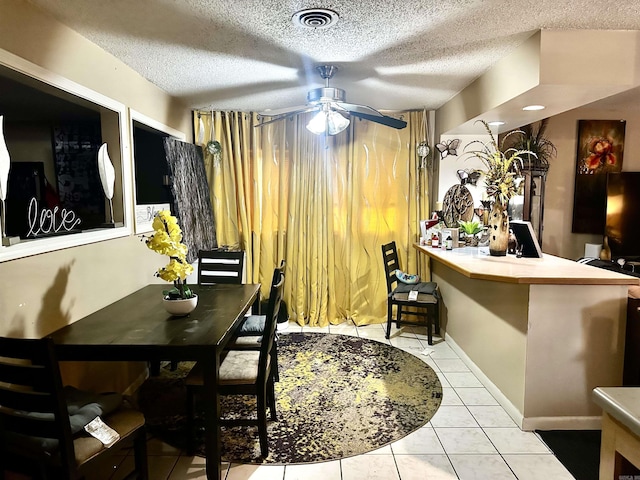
x: 539, y: 333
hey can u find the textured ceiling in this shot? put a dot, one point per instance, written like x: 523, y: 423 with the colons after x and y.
x: 392, y: 54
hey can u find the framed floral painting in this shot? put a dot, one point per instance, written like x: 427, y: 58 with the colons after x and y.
x: 600, y: 149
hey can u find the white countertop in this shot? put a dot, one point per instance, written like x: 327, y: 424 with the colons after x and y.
x: 470, y: 262
x: 622, y: 403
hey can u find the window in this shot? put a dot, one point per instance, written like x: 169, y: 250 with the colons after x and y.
x: 152, y: 178
x: 53, y: 129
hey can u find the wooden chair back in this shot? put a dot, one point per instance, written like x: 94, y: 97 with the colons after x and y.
x: 219, y: 266
x: 36, y: 435
x: 270, y: 324
x: 391, y: 264
x: 33, y: 404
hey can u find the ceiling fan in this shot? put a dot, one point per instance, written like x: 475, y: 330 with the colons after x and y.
x: 333, y: 111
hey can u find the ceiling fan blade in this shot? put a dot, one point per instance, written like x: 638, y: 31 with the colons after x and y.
x: 353, y: 108
x: 275, y: 118
x: 383, y: 120
x: 286, y: 111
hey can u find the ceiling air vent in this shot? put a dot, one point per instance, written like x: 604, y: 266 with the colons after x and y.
x: 315, y: 18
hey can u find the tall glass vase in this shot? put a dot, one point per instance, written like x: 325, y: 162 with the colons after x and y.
x: 498, y: 230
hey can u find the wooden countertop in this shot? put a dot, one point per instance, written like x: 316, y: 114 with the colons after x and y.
x: 549, y: 270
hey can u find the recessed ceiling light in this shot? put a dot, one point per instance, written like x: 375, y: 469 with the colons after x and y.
x: 533, y: 107
x: 495, y: 123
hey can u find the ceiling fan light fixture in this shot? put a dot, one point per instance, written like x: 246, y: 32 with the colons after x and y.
x: 318, y: 124
x: 328, y: 122
x: 336, y: 123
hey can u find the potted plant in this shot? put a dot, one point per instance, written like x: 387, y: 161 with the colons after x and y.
x: 470, y: 229
x: 532, y: 139
x: 167, y: 240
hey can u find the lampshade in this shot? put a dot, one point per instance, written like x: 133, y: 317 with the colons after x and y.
x: 327, y: 121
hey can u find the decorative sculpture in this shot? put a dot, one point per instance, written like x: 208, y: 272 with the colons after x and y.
x: 107, y: 176
x: 5, y: 165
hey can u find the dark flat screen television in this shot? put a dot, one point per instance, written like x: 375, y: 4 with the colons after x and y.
x: 622, y: 226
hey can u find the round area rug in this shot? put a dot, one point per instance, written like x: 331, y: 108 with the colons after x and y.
x: 337, y: 396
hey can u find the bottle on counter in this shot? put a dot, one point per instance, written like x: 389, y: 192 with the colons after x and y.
x: 435, y: 240
x: 449, y: 241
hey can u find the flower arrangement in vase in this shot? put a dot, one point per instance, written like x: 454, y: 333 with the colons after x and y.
x: 167, y: 240
x: 502, y: 172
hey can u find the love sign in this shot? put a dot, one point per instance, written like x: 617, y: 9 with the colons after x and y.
x: 50, y: 221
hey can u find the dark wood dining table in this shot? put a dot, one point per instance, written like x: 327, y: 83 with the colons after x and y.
x: 137, y: 328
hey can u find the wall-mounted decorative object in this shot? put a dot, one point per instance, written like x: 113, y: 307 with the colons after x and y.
x: 448, y: 147
x: 457, y: 205
x: 191, y: 198
x: 469, y: 177
x: 600, y: 148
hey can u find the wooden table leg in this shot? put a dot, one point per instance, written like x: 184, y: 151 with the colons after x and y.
x: 617, y: 441
x: 211, y: 366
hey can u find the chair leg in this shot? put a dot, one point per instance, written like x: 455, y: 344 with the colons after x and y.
x: 274, y: 362
x: 436, y: 319
x: 389, y: 309
x: 191, y: 427
x: 429, y: 327
x: 140, y: 455
x: 262, y: 423
x: 154, y: 368
x: 271, y: 395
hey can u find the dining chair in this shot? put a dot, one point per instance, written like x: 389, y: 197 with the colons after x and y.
x: 249, y: 335
x: 220, y: 266
x: 243, y: 372
x: 42, y: 423
x: 426, y: 303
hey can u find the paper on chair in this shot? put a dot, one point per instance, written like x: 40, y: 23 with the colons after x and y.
x: 103, y: 432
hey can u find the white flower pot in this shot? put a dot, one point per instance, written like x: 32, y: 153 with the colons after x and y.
x: 180, y: 306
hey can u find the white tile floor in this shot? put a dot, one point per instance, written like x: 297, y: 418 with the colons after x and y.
x: 470, y: 437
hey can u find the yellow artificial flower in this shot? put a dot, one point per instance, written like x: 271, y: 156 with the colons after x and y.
x: 167, y: 240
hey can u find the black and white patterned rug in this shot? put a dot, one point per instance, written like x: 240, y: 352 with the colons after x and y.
x: 338, y: 396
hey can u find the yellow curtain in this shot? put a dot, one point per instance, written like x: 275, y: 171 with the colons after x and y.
x: 324, y: 204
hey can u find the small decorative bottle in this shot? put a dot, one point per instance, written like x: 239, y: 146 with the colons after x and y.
x: 434, y: 240
x: 449, y: 243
